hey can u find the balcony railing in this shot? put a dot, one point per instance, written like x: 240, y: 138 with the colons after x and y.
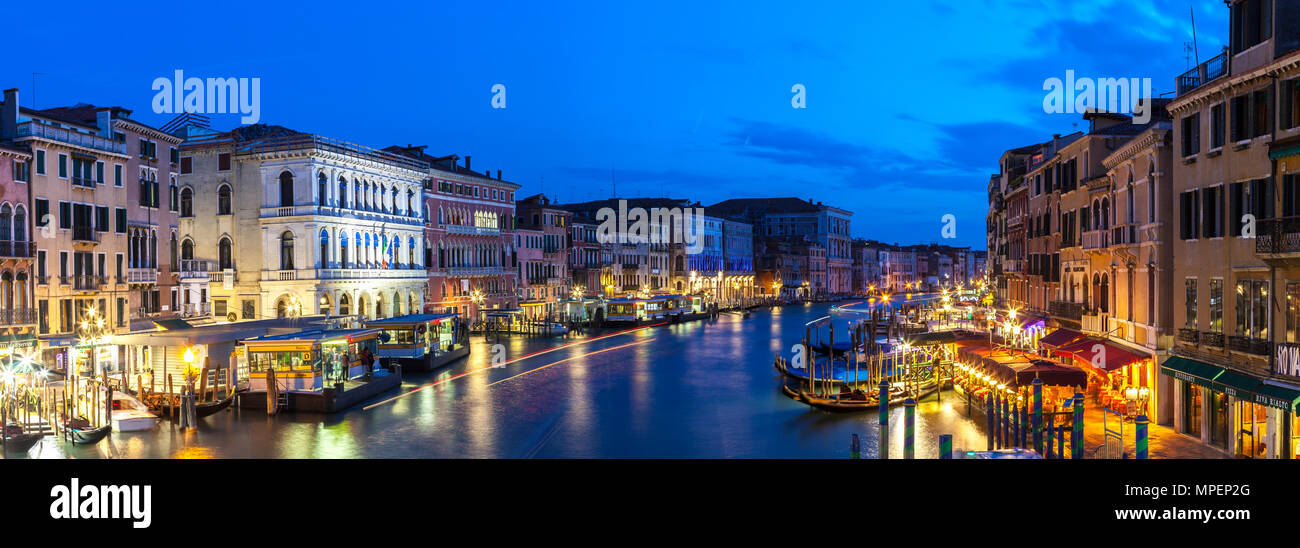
x: 194, y: 268
x: 1216, y: 67
x: 1066, y: 309
x: 37, y: 128
x: 1096, y: 239
x: 17, y: 316
x: 1212, y: 338
x: 1096, y: 323
x: 86, y: 282
x: 142, y: 275
x: 1258, y: 347
x: 338, y: 211
x: 11, y: 249
x: 1277, y: 236
x: 190, y: 310
x: 1189, y: 335
x: 84, y: 182
x: 474, y: 230
x: 1124, y: 235
x: 365, y: 273
x: 84, y: 234
x: 471, y: 271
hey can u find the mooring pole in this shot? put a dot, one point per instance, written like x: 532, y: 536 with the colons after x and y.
x: 991, y: 429
x: 1038, y: 415
x: 883, y: 406
x: 909, y: 428
x: 1051, y: 430
x: 1076, y: 452
x: 945, y: 446
x: 855, y: 447
x: 1141, y: 421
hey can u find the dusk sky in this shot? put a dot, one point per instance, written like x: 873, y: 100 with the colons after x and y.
x: 909, y: 104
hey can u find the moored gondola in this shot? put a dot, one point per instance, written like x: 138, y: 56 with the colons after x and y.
x: 88, y: 436
x: 19, y: 443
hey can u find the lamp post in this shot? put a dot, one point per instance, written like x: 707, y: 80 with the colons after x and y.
x: 187, y: 418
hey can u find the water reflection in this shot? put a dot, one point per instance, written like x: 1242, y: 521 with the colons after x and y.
x: 703, y: 389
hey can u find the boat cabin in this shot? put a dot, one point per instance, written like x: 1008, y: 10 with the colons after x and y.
x: 626, y: 310
x: 308, y: 360
x: 421, y: 341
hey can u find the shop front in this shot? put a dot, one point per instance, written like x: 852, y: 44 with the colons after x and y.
x: 1123, y: 379
x: 1234, y: 411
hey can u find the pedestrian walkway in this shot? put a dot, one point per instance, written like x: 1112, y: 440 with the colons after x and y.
x: 1162, y: 443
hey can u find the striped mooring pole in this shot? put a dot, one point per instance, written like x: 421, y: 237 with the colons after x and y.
x: 1051, y: 428
x: 988, y: 412
x: 945, y: 446
x: 1038, y: 416
x: 1015, y: 422
x: 1141, y: 421
x: 884, y: 421
x: 909, y: 428
x: 1076, y: 441
x: 1024, y: 424
x: 855, y: 447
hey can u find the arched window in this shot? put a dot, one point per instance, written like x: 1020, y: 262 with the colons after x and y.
x: 281, y: 308
x: 343, y: 250
x: 187, y: 250
x: 357, y: 198
x: 324, y: 249
x: 344, y: 304
x: 187, y: 202
x: 6, y: 224
x: 223, y: 254
x: 342, y: 199
x: 172, y: 251
x: 286, y: 251
x: 223, y: 199
x: 20, y: 224
x: 325, y: 304
x: 286, y: 189
x: 322, y: 199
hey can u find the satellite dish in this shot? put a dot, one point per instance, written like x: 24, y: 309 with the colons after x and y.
x: 231, y: 317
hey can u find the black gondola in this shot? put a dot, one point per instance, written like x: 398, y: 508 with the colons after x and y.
x: 20, y: 443
x: 204, y: 409
x: 88, y: 436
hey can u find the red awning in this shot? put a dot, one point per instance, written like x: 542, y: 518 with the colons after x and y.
x: 1061, y: 337
x: 1100, y: 353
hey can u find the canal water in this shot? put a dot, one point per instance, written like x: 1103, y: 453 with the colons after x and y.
x: 703, y: 389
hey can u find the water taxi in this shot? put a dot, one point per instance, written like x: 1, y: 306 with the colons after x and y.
x: 130, y: 414
x: 321, y: 370
x: 421, y: 342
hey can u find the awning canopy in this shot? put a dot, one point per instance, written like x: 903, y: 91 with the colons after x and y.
x: 1280, y: 397
x: 1061, y: 337
x: 1052, y: 374
x: 1100, y: 353
x: 932, y: 338
x: 1189, y: 370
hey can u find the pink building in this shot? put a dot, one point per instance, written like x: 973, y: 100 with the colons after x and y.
x: 17, y: 248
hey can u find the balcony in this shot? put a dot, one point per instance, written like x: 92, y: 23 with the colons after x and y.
x: 630, y: 266
x: 1066, y: 310
x: 473, y: 230
x: 370, y: 274
x: 1279, y: 238
x: 339, y: 211
x: 1096, y: 240
x: 17, y: 250
x: 1098, y: 323
x: 83, y: 182
x: 1247, y: 345
x: 192, y: 310
x: 84, y: 234
x: 84, y: 282
x: 142, y: 275
x: 1212, y: 338
x: 1208, y: 71
x: 193, y: 269
x: 1189, y: 335
x: 18, y: 316
x: 37, y: 128
x: 1124, y: 235
x: 1015, y: 265
x: 474, y: 271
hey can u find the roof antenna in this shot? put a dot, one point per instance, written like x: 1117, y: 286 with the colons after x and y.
x: 1196, y: 51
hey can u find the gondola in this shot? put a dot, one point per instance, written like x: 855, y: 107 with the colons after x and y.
x: 204, y: 409
x: 20, y: 443
x: 88, y: 436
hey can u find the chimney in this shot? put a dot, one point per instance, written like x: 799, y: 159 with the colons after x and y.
x: 498, y: 175
x: 104, y: 119
x: 9, y: 115
x: 467, y: 168
x: 1056, y: 142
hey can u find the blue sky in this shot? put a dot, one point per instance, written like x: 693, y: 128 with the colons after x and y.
x: 909, y: 104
